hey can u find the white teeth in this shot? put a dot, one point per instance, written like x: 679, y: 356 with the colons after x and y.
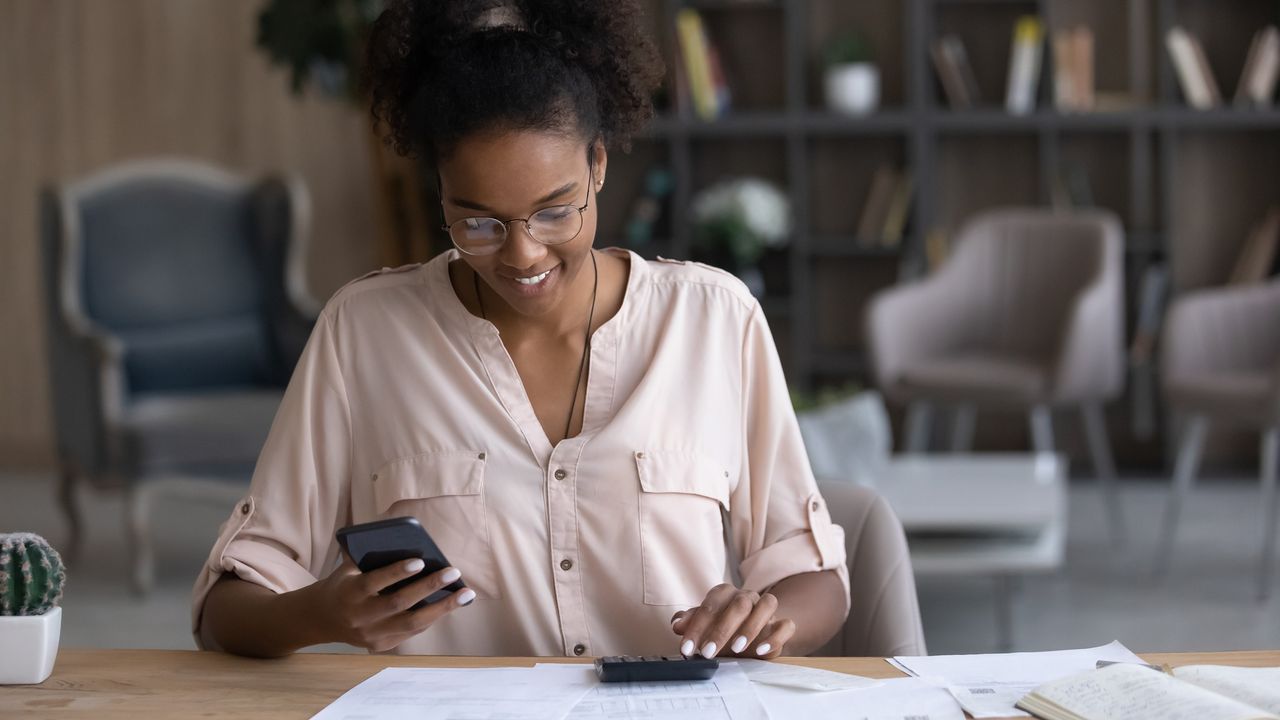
x: 533, y: 280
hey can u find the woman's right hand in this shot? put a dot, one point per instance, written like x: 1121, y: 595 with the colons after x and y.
x: 350, y: 610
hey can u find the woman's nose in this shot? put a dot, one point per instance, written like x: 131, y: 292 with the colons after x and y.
x: 521, y: 250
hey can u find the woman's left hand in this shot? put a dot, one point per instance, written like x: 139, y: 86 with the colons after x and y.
x: 733, y: 622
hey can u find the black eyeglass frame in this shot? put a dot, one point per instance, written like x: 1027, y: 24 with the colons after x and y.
x: 506, y: 231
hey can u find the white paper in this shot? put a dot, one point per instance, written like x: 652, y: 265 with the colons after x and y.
x: 896, y: 699
x: 547, y: 692
x: 799, y: 677
x: 726, y: 696
x: 1258, y: 687
x: 989, y: 685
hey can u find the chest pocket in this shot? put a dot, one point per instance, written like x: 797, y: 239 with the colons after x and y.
x: 445, y: 492
x: 682, y: 534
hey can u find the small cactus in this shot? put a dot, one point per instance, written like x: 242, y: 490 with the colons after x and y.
x: 31, y: 574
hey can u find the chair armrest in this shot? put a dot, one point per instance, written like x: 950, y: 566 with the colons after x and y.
x: 1090, y: 359
x: 1222, y: 330
x: 910, y: 323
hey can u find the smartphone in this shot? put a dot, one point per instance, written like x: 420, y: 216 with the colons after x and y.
x: 380, y: 543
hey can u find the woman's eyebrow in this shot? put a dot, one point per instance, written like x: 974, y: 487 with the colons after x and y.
x: 472, y: 205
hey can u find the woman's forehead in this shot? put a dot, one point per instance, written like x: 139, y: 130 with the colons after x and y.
x: 512, y: 167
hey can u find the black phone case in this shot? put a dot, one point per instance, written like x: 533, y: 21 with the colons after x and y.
x: 380, y: 543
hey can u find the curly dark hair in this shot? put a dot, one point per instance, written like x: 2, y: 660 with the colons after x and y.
x: 439, y: 70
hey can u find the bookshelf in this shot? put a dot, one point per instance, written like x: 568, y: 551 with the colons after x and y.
x: 1187, y: 184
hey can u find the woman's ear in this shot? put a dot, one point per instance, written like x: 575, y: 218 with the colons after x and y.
x: 599, y: 161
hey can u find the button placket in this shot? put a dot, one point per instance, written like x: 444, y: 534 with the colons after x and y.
x: 563, y: 529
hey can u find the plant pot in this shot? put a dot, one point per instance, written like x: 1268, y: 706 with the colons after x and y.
x: 30, y: 645
x: 853, y: 89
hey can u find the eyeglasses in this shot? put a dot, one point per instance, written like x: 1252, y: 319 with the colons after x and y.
x: 550, y: 226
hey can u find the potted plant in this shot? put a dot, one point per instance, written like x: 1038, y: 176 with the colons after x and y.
x: 735, y: 220
x: 31, y: 578
x: 851, y: 80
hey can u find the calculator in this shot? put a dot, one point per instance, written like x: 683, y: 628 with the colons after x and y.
x: 654, y: 668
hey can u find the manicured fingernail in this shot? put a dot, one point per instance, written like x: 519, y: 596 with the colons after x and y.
x: 709, y: 650
x: 465, y: 596
x: 450, y: 575
x: 740, y: 643
x: 686, y: 648
x: 764, y: 649
x: 414, y: 565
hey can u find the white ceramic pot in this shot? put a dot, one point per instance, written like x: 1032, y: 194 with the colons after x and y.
x: 30, y: 645
x: 853, y: 89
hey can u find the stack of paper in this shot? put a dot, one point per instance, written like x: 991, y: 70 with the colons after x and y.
x: 989, y: 685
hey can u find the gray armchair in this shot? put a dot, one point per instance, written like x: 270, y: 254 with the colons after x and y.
x: 1026, y: 314
x: 176, y: 311
x: 884, y: 613
x: 1221, y: 361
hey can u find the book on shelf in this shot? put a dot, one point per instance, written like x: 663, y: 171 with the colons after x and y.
x: 1073, y: 74
x: 958, y: 80
x: 1258, y: 254
x: 1261, y: 69
x: 875, y: 209
x: 1025, y: 57
x: 895, y: 221
x: 1192, y: 66
x: 704, y: 74
x: 1152, y: 294
x: 1127, y: 690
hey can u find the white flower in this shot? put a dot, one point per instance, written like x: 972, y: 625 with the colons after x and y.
x: 762, y: 209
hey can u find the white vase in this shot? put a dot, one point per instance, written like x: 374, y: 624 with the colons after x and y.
x: 853, y: 89
x: 30, y: 644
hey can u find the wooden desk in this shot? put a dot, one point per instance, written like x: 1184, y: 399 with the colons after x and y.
x: 143, y: 684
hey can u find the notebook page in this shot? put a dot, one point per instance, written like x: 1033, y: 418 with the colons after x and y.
x: 1122, y: 691
x: 1257, y: 687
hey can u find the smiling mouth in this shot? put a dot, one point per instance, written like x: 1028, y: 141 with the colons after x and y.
x: 533, y: 280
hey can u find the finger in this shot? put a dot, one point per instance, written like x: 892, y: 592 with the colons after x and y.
x: 755, y: 623
x: 678, y: 620
x: 727, y: 622
x: 775, y: 636
x: 701, y: 617
x: 406, y: 625
x: 374, y: 581
x: 409, y: 595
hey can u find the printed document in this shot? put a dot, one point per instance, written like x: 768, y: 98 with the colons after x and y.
x: 726, y: 696
x: 547, y: 692
x: 989, y: 685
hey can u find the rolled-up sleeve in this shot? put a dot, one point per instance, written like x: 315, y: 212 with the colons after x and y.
x: 780, y: 523
x: 280, y: 535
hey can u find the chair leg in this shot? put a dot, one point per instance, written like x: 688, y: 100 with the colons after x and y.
x: 1184, y: 474
x: 1095, y: 431
x: 138, y: 508
x: 1041, y: 420
x: 1270, y: 505
x: 963, y: 420
x: 919, y: 422
x: 68, y: 479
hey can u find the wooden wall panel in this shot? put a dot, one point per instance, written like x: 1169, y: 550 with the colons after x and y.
x: 85, y: 84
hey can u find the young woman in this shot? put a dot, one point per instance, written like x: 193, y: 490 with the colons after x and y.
x: 604, y: 447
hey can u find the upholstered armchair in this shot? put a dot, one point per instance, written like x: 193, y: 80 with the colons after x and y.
x: 1027, y: 314
x: 176, y: 311
x: 1221, y: 361
x: 884, y: 616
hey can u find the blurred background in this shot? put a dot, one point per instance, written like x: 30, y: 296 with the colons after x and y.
x: 1019, y: 258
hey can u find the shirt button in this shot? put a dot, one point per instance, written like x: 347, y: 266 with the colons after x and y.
x: 579, y: 649
x: 814, y: 507
x: 244, y: 509
x: 561, y: 474
x: 566, y: 564
x: 639, y: 456
x: 481, y: 456
x: 374, y: 477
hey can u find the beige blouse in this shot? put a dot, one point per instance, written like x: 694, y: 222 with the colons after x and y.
x: 406, y: 404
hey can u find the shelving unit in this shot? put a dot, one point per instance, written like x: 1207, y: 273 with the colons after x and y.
x: 1185, y: 183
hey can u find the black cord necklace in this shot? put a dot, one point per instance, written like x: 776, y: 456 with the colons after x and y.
x: 586, y: 341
